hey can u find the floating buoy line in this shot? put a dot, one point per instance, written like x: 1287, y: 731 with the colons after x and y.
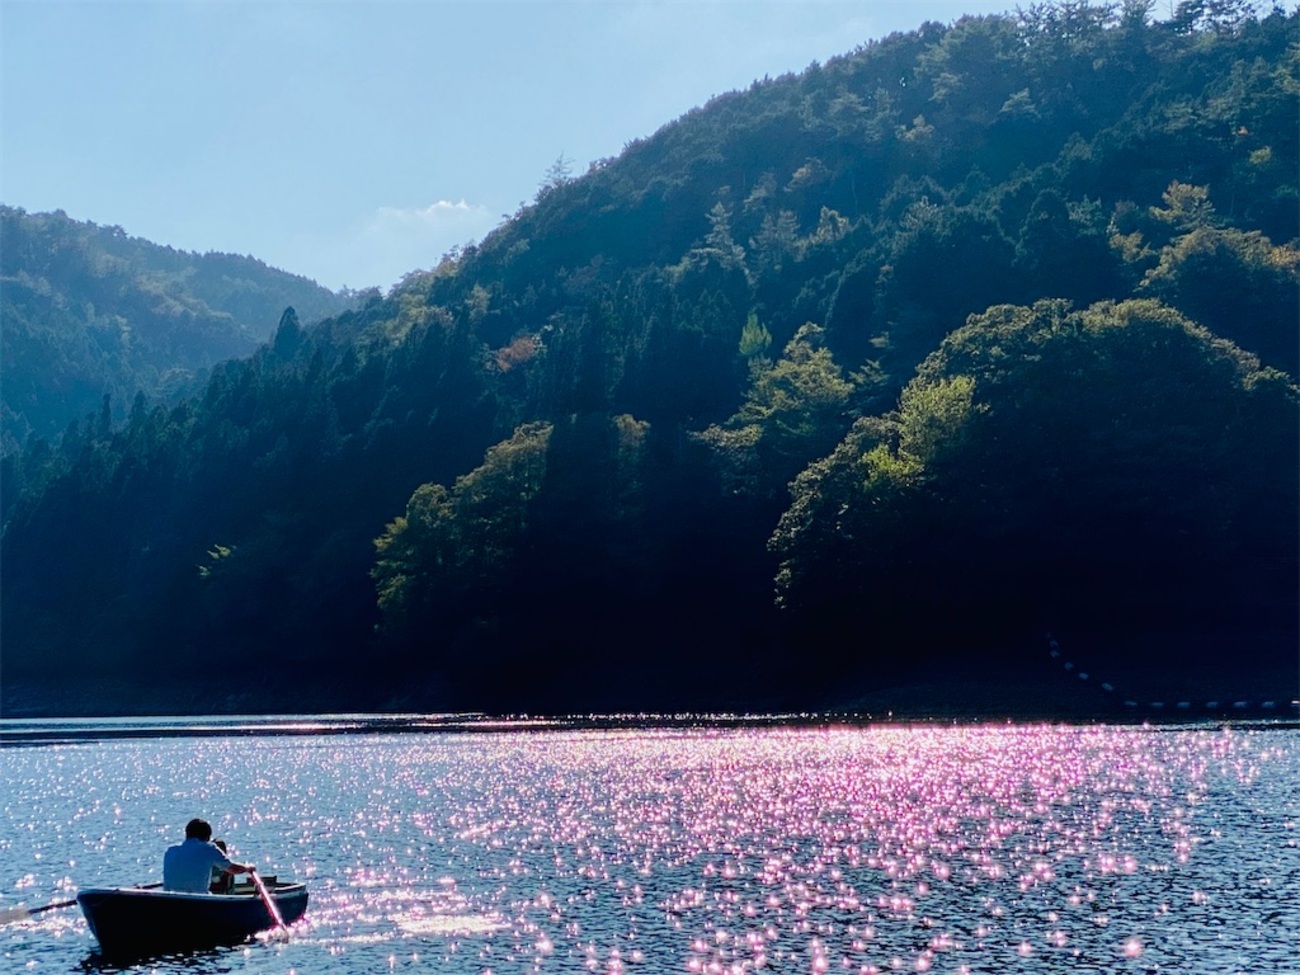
x: 1227, y: 705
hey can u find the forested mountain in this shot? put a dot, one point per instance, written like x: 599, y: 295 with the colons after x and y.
x: 89, y: 311
x: 977, y: 330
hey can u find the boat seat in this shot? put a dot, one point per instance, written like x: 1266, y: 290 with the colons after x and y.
x: 242, y: 882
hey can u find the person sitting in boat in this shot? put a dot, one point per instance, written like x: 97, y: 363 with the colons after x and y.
x: 188, y: 866
x: 222, y: 881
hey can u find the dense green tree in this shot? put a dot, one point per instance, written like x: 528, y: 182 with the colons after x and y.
x: 1111, y: 461
x: 459, y: 544
x: 792, y: 413
x: 945, y: 263
x: 288, y: 335
x: 1064, y: 251
x: 1239, y: 285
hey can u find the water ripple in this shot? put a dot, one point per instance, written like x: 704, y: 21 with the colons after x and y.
x: 711, y: 851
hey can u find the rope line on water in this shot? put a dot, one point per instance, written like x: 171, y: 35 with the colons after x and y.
x: 1227, y: 705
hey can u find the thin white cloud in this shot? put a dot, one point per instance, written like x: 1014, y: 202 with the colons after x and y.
x: 382, y: 246
x: 439, y: 214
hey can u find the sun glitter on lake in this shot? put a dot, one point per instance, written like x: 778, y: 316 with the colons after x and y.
x: 712, y: 851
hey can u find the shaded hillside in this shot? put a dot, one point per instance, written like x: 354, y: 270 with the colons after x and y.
x: 89, y: 311
x: 977, y: 330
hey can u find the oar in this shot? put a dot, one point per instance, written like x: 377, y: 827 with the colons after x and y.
x: 13, y: 914
x: 271, y: 906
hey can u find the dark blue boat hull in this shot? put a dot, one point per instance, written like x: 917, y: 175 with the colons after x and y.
x: 134, y: 922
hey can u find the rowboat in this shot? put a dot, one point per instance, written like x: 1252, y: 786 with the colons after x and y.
x: 139, y: 922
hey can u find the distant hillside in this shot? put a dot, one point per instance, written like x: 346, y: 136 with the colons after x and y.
x: 978, y: 331
x: 89, y: 311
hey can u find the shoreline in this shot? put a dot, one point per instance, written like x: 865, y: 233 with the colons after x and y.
x: 1110, y: 677
x: 17, y: 732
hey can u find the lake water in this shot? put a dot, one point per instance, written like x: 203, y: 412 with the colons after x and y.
x: 695, y: 850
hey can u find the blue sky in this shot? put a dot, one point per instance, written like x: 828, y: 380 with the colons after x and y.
x: 353, y: 142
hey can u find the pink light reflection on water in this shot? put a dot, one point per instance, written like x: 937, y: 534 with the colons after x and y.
x: 762, y: 850
x: 716, y: 850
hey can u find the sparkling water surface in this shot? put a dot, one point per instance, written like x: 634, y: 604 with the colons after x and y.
x: 720, y: 851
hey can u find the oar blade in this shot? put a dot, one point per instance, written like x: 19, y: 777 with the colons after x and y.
x: 11, y: 914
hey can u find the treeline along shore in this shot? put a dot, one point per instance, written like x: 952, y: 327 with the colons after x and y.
x: 832, y: 387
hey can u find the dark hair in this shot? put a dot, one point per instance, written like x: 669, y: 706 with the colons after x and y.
x: 198, y: 829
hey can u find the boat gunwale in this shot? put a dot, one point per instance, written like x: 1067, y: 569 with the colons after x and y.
x: 280, y: 889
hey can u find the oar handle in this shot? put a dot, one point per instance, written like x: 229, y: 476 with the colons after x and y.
x: 51, y: 907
